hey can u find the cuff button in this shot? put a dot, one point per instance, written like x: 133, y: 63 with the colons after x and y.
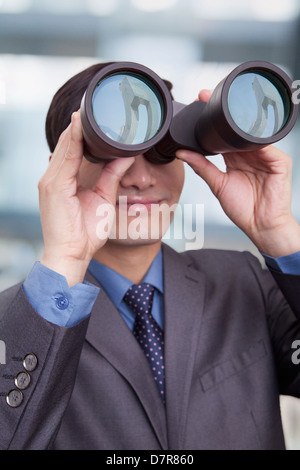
x: 62, y: 302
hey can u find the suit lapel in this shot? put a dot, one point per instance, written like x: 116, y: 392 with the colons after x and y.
x: 109, y: 334
x: 184, y: 299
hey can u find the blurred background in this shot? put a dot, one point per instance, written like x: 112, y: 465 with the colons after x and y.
x: 192, y: 43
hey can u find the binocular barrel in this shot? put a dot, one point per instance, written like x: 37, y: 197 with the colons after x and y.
x: 127, y: 110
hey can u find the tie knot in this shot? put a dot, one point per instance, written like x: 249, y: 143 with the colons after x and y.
x: 139, y: 297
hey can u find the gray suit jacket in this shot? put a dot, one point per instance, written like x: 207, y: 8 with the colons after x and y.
x: 228, y: 337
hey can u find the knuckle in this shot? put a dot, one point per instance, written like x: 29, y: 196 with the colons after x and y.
x: 41, y: 183
x: 68, y: 155
x: 45, y: 186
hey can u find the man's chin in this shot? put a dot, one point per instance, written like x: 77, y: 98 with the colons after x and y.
x: 129, y: 242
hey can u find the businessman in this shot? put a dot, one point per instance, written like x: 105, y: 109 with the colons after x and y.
x: 122, y: 343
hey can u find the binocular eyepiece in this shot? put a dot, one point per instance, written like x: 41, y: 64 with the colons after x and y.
x: 127, y: 110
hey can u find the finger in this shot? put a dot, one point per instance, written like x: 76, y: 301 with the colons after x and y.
x: 74, y: 152
x: 110, y: 177
x: 214, y: 177
x: 204, y: 95
x: 58, y: 154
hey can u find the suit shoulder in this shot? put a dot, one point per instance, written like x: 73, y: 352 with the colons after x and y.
x: 10, y: 292
x: 221, y: 259
x: 7, y: 296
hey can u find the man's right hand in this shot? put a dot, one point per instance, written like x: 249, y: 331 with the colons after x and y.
x: 68, y: 211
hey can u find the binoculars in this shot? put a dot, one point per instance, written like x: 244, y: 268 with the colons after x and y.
x: 127, y: 110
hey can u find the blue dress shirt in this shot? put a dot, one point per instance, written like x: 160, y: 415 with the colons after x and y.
x: 49, y: 293
x: 289, y: 264
x: 116, y: 286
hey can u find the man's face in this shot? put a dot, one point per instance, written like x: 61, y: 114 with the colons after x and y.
x: 146, y: 198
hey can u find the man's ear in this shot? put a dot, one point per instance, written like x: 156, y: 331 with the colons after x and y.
x: 50, y: 158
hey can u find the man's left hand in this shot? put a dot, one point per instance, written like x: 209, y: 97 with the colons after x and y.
x: 255, y: 192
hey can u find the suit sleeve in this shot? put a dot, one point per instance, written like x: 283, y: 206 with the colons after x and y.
x: 37, y: 374
x: 283, y: 316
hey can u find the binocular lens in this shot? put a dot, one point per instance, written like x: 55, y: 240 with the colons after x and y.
x: 259, y: 104
x: 128, y: 108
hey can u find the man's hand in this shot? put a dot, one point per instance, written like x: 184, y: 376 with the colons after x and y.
x: 68, y: 212
x: 255, y: 192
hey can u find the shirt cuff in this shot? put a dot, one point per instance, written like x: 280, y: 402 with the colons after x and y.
x: 50, y: 295
x: 289, y: 264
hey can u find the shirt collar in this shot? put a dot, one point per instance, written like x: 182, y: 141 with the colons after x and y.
x: 116, y: 285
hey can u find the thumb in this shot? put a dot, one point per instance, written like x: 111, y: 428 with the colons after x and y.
x: 214, y: 177
x: 111, y: 175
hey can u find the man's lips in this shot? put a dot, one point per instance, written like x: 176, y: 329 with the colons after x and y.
x: 138, y: 201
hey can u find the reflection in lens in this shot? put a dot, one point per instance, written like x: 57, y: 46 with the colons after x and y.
x: 256, y: 105
x: 127, y: 108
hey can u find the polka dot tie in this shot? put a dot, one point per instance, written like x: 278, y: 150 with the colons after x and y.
x: 147, y: 331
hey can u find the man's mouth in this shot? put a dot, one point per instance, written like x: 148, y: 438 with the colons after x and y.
x: 140, y: 203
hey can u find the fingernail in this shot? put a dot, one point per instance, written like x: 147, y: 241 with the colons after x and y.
x: 181, y: 153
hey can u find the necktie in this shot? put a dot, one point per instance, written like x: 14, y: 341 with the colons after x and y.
x: 147, y: 332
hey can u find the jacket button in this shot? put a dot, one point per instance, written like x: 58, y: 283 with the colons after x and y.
x: 22, y: 380
x: 30, y: 362
x: 14, y: 398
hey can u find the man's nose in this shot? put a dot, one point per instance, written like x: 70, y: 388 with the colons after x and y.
x: 140, y: 175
